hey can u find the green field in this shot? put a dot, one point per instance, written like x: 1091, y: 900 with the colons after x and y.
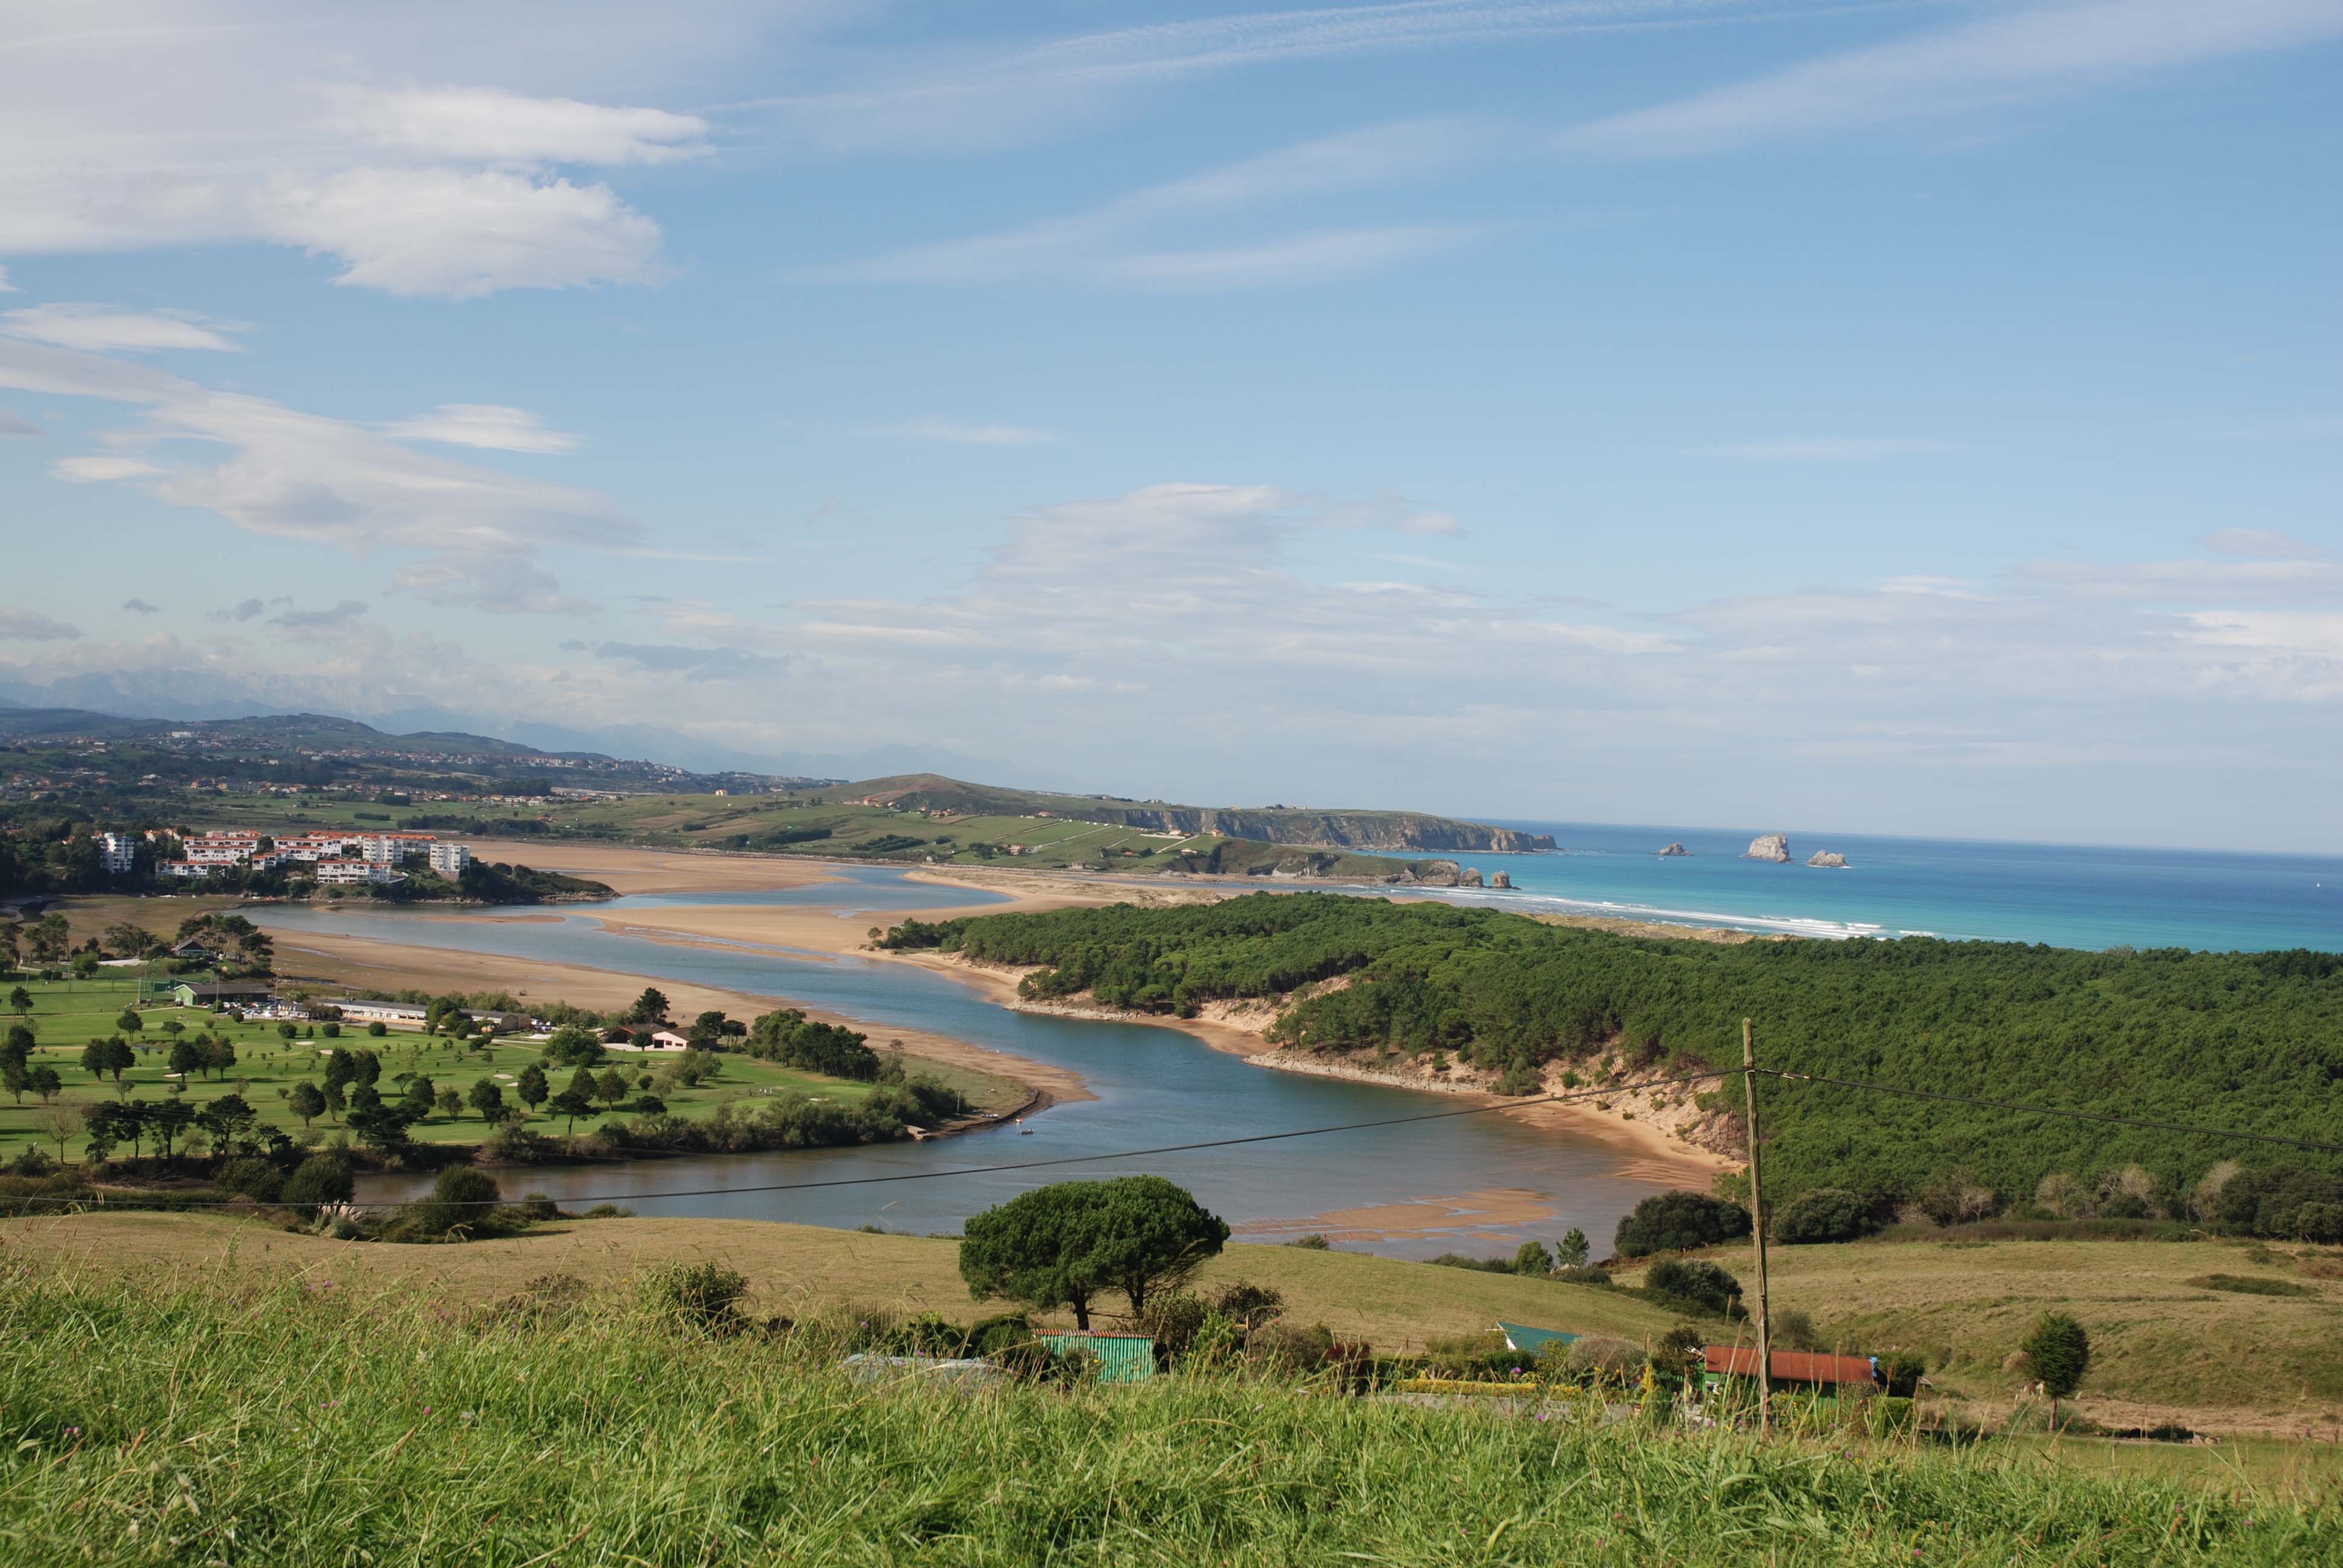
x: 253, y: 1407
x: 759, y: 823
x: 67, y: 1013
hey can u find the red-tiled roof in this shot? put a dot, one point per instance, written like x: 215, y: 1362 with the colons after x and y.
x: 1789, y: 1366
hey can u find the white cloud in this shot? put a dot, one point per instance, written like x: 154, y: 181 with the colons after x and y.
x: 289, y: 474
x: 7, y: 287
x: 992, y: 96
x: 105, y: 329
x: 2262, y: 543
x: 961, y: 435
x: 462, y: 234
x: 334, y: 129
x: 491, y: 426
x: 2004, y: 58
x: 1149, y: 237
x: 101, y: 470
x: 498, y: 127
x: 1823, y: 449
x: 29, y: 626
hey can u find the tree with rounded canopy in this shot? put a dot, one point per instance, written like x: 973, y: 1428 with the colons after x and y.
x: 571, y: 1046
x: 570, y: 1105
x: 20, y: 1001
x: 186, y: 1057
x: 2059, y: 1353
x: 449, y: 1103
x: 16, y: 1077
x: 61, y: 1124
x: 119, y: 1057
x: 649, y: 1007
x: 305, y: 1101
x: 421, y: 1095
x: 320, y: 1179
x: 130, y: 1023
x: 1062, y: 1244
x: 487, y: 1097
x: 341, y: 1068
x: 611, y: 1087
x: 20, y: 1042
x: 460, y: 1199
x: 94, y: 1057
x: 47, y: 1083
x: 531, y: 1085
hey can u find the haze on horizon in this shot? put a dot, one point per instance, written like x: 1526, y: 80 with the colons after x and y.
x: 1882, y: 418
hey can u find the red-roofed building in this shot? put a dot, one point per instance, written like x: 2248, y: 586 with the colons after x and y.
x: 1810, y: 1369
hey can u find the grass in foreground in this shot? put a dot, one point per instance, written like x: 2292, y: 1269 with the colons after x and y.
x: 298, y: 1422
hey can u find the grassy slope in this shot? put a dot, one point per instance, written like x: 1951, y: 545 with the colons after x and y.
x: 2156, y: 1340
x: 66, y: 1014
x: 244, y: 1418
x: 720, y: 822
x: 797, y: 1267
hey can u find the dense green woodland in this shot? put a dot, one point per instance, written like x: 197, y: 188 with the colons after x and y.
x: 2248, y: 1041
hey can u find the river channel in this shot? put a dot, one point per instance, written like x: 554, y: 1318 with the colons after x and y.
x: 1478, y: 1183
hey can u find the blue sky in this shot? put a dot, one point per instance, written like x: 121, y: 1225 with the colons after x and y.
x: 1894, y: 417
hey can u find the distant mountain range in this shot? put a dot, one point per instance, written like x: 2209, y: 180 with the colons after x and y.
x: 360, y: 755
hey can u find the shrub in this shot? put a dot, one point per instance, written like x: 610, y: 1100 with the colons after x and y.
x: 462, y: 1198
x: 320, y: 1179
x: 1903, y: 1371
x: 1793, y: 1330
x: 378, y: 1028
x: 1312, y: 1242
x: 2248, y: 1285
x: 702, y: 1296
x: 253, y: 1178
x: 1584, y: 1274
x: 1696, y: 1285
x: 1679, y: 1222
x: 1249, y: 1307
x: 1824, y: 1214
x: 1604, y: 1361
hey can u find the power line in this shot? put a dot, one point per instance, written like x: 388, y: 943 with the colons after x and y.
x: 964, y: 1171
x: 1029, y: 1164
x: 2051, y: 1111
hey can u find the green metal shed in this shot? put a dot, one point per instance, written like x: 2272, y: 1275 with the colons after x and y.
x: 1121, y: 1357
x: 1529, y: 1340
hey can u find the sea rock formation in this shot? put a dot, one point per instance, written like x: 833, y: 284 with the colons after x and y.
x: 1469, y: 878
x: 1500, y: 880
x: 1673, y: 850
x: 1769, y: 846
x: 1830, y: 857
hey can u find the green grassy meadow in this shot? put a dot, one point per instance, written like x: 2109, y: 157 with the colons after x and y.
x: 247, y: 1412
x: 67, y: 1013
x: 746, y: 822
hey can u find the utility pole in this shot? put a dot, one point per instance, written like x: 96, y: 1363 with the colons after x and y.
x: 1757, y: 1228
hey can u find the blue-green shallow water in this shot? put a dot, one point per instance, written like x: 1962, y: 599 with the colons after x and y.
x: 1154, y: 1086
x: 2064, y: 895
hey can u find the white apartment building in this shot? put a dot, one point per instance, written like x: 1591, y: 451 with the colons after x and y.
x: 450, y: 860
x: 347, y: 872
x: 116, y: 852
x: 390, y: 848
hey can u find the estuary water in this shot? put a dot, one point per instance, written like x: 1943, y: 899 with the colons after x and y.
x: 2062, y: 894
x: 1480, y: 1183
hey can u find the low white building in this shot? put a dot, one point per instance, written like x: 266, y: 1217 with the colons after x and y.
x: 351, y: 873
x: 450, y: 860
x: 116, y: 852
x: 406, y: 1014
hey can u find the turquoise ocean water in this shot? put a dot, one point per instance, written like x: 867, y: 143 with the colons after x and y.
x: 2063, y: 894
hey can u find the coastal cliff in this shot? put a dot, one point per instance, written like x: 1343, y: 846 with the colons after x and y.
x: 1332, y: 829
